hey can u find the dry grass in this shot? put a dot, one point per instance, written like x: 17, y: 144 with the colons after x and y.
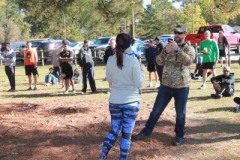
x: 45, y: 124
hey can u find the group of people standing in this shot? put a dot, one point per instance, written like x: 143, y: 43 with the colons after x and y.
x: 125, y: 75
x: 62, y: 61
x: 30, y: 62
x: 211, y: 52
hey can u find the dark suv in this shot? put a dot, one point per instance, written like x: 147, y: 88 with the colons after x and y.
x: 99, y: 46
x: 46, y: 48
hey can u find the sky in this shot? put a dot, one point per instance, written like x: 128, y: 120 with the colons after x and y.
x: 146, y: 2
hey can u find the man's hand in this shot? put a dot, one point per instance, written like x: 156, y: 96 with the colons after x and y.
x: 171, y: 46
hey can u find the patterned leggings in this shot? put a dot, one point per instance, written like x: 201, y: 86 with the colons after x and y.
x: 123, y: 118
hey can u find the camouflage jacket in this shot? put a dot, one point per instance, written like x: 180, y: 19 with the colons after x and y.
x: 176, y: 71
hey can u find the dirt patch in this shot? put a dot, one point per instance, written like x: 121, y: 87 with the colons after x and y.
x: 73, y: 129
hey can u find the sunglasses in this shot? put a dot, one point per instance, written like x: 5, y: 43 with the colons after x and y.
x: 175, y: 32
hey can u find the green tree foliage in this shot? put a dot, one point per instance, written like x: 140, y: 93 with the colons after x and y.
x: 158, y: 18
x: 11, y: 21
x: 118, y: 14
x: 192, y: 17
x: 89, y: 19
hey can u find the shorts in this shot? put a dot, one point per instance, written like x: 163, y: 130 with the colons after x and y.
x: 151, y: 67
x: 222, y: 53
x: 31, y: 69
x: 67, y: 71
x: 208, y: 65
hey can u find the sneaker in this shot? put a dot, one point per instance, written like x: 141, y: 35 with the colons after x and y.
x: 35, y: 88
x: 237, y: 109
x: 11, y: 90
x: 82, y: 93
x: 95, y: 91
x: 139, y: 137
x: 73, y: 90
x: 218, y: 96
x: 30, y: 88
x: 202, y: 86
x: 156, y: 85
x: 150, y: 85
x: 109, y: 91
x: 66, y: 92
x: 178, y: 141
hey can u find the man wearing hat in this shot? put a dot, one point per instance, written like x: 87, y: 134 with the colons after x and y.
x: 177, y: 57
x: 223, y: 84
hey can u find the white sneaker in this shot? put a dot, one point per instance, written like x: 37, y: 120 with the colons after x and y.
x: 156, y: 85
x: 203, y: 86
x: 150, y: 85
x: 237, y: 108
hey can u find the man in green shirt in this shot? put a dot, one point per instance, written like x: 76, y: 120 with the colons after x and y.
x: 210, y: 54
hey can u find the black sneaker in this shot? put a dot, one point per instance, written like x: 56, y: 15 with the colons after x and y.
x: 178, y: 141
x: 139, y: 137
x: 218, y: 96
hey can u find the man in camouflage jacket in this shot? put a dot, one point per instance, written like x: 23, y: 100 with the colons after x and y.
x: 176, y: 57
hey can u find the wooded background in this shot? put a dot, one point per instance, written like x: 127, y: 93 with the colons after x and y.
x: 88, y: 19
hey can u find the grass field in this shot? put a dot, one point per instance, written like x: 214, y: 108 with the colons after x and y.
x: 46, y: 124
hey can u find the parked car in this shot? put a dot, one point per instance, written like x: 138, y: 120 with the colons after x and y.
x: 165, y: 38
x: 76, y: 46
x: 45, y: 49
x: 17, y: 47
x: 99, y: 46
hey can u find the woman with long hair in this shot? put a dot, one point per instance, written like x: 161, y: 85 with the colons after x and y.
x: 127, y: 76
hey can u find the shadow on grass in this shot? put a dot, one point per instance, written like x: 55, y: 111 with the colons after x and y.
x: 224, y: 130
x: 149, y: 90
x: 69, y: 110
x: 220, y: 109
x: 34, y: 94
x: 199, y: 98
x: 26, y: 107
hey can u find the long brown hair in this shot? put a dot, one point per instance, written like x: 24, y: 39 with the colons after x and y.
x: 123, y: 41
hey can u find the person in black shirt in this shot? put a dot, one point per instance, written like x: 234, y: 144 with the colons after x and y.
x: 151, y: 62
x: 159, y: 68
x: 223, y: 84
x: 111, y: 50
x: 66, y: 58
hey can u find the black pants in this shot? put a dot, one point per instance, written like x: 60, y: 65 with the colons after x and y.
x: 57, y: 72
x: 226, y: 90
x: 88, y: 73
x: 159, y: 72
x: 10, y: 72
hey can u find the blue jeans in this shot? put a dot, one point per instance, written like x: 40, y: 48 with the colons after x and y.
x: 165, y: 94
x: 88, y: 73
x: 50, y: 78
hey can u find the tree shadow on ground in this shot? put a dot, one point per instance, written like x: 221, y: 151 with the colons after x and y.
x: 149, y: 90
x: 210, y: 126
x: 85, y: 141
x: 28, y: 107
x: 199, y: 98
x: 55, y: 94
x: 220, y: 109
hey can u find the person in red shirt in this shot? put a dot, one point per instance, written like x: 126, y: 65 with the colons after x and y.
x: 30, y: 62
